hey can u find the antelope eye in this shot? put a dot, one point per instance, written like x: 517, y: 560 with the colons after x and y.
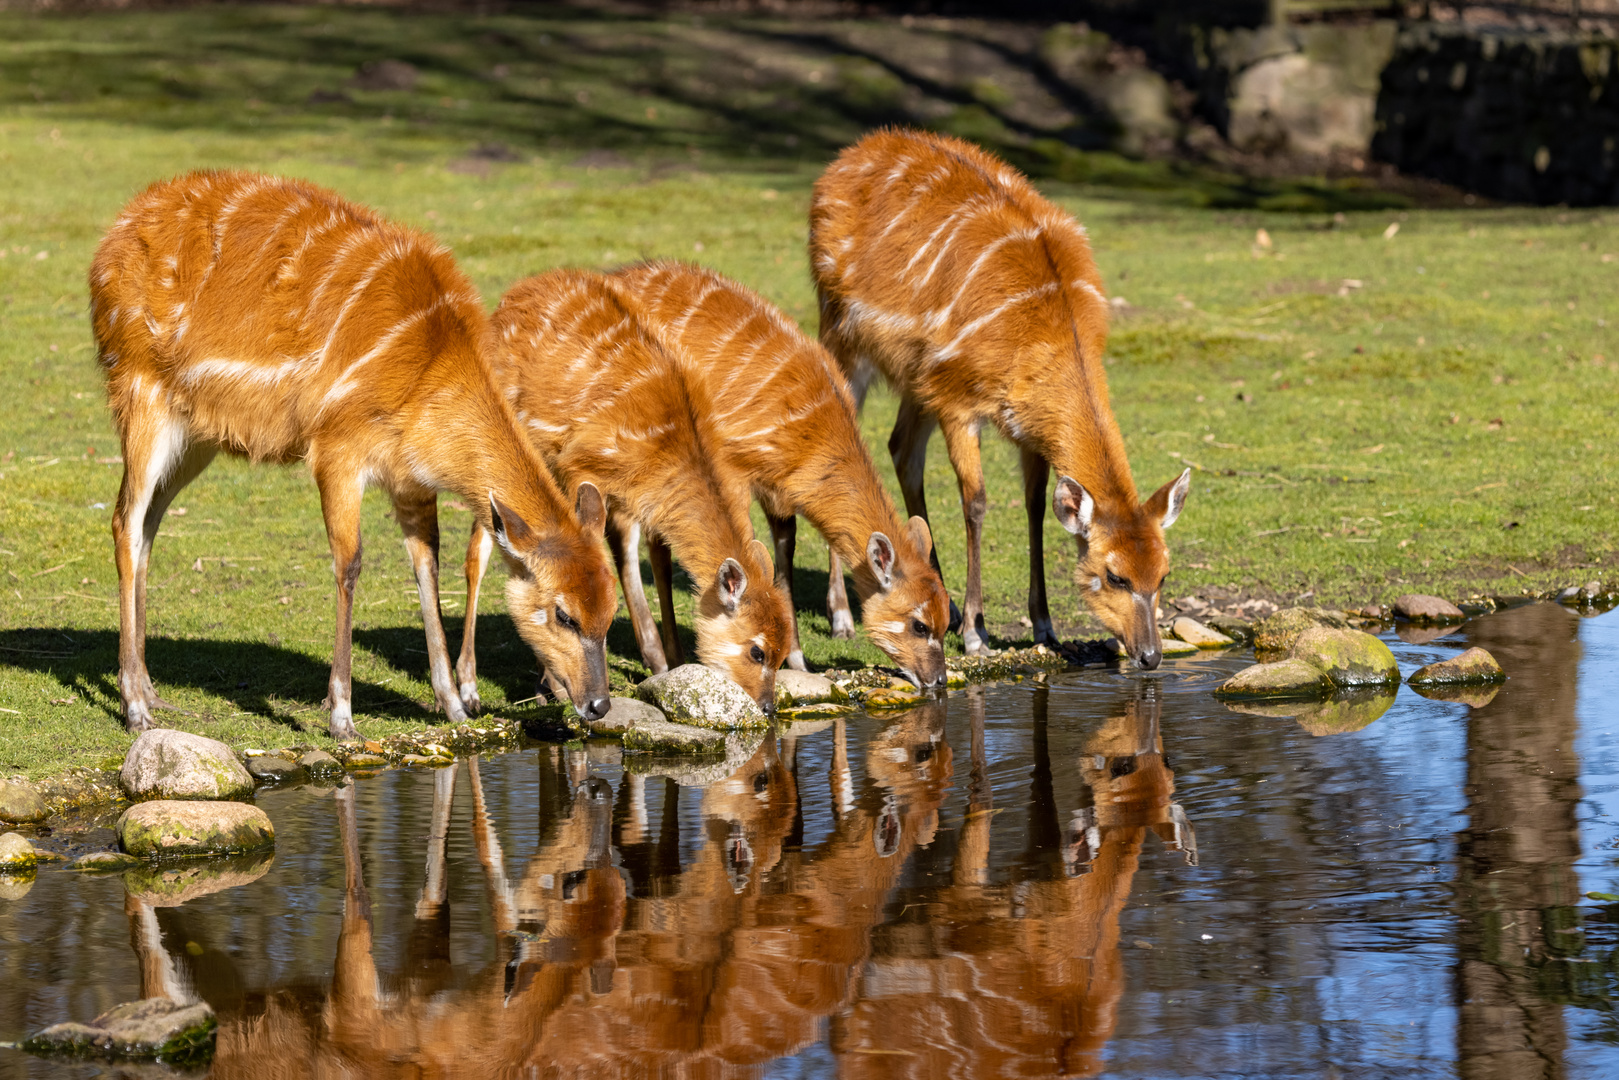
x: 761, y: 781
x: 919, y: 628
x: 566, y: 620
x: 1116, y: 581
x: 758, y: 655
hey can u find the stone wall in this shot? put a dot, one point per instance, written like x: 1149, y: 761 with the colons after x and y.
x: 1519, y: 117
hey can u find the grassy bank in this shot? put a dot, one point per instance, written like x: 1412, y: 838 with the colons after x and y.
x: 1369, y: 410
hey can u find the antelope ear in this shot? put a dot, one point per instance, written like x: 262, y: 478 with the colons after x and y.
x: 591, y: 510
x: 511, y: 532
x: 880, y: 554
x: 1073, y: 506
x: 731, y: 582
x: 1168, y: 501
x: 761, y: 555
x: 921, y: 536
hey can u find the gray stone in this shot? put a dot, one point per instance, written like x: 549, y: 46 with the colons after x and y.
x: 152, y: 1028
x: 1193, y: 632
x: 1284, y: 678
x: 20, y: 802
x: 1239, y: 630
x: 692, y: 694
x: 1350, y: 658
x: 274, y: 769
x: 623, y: 714
x: 104, y: 861
x: 1475, y: 665
x: 1415, y: 607
x: 168, y: 764
x: 321, y: 765
x: 1277, y: 632
x: 172, y: 827
x: 16, y: 853
x: 805, y: 688
x: 667, y: 737
x: 1136, y: 98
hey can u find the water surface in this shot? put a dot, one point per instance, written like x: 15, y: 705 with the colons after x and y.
x: 1107, y: 874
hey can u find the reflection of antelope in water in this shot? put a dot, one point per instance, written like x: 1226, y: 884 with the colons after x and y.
x: 1021, y: 979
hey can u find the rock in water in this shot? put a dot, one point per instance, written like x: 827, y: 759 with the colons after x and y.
x: 320, y: 765
x: 15, y: 885
x: 1349, y: 658
x: 1476, y: 695
x: 1277, y: 633
x: 153, y: 1028
x: 664, y: 737
x: 1193, y: 632
x: 168, y: 764
x: 1335, y: 716
x: 1238, y: 630
x: 277, y: 769
x: 1431, y: 609
x: 1285, y: 678
x: 20, y: 803
x: 1473, y: 666
x: 692, y: 694
x: 104, y: 862
x: 805, y: 688
x: 171, y: 827
x: 624, y: 714
x: 16, y: 853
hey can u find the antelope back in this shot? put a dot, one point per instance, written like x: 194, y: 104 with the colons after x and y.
x: 603, y: 401
x: 942, y: 266
x: 784, y: 420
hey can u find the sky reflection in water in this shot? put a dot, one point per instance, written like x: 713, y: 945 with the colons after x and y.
x: 1114, y: 875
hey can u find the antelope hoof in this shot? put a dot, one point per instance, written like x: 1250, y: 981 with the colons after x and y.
x: 842, y: 624
x: 974, y: 642
x: 342, y: 726
x: 795, y: 660
x: 450, y: 705
x: 1045, y: 635
x: 470, y: 699
x: 137, y: 717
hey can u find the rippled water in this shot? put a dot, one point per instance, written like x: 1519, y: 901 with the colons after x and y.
x: 1110, y: 875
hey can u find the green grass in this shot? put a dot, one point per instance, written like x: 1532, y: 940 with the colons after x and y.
x: 1445, y: 426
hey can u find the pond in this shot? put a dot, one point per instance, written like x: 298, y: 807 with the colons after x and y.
x: 1108, y: 873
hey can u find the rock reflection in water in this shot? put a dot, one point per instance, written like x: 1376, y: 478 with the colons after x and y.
x: 615, y: 958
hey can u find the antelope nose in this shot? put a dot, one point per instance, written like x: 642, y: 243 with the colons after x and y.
x: 768, y: 704
x: 1148, y: 658
x: 596, y: 708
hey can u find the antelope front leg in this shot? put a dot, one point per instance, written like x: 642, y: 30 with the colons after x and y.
x: 1036, y: 472
x: 908, y: 448
x: 663, y: 576
x: 784, y: 537
x: 340, y: 506
x: 418, y: 520
x: 962, y: 442
x: 479, y: 545
x: 624, y: 536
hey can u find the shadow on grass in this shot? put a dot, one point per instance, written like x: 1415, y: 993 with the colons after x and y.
x: 563, y: 78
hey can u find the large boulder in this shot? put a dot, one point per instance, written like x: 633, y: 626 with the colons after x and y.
x: 1350, y: 658
x: 172, y: 827
x: 1282, y: 679
x: 168, y: 764
x: 153, y: 1028
x: 1276, y: 633
x: 692, y: 694
x: 16, y: 853
x: 1475, y: 665
x: 20, y: 802
x: 1416, y: 607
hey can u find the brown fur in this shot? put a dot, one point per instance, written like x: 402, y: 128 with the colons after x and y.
x: 269, y: 318
x: 784, y: 420
x: 942, y: 268
x: 603, y: 402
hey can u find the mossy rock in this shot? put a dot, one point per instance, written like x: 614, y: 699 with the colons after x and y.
x: 1350, y: 658
x: 1281, y: 679
x: 169, y: 828
x: 1475, y: 665
x: 1276, y: 633
x: 153, y: 1028
x: 692, y: 694
x: 170, y: 884
x: 16, y: 853
x: 1333, y: 716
